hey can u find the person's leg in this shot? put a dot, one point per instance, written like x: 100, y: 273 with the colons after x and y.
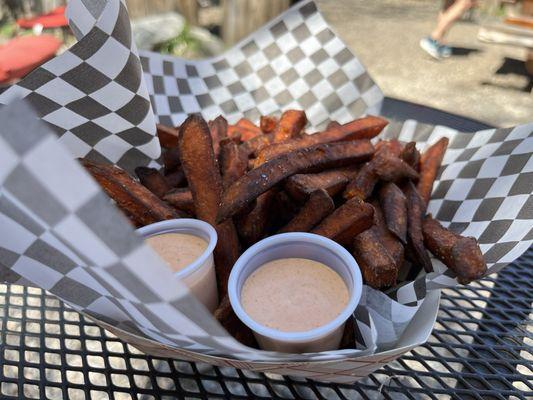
x: 449, y: 16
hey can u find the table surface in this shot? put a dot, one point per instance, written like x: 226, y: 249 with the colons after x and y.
x: 481, y: 346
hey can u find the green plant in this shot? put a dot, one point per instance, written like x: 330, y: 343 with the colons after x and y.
x: 181, y: 45
x: 7, y: 29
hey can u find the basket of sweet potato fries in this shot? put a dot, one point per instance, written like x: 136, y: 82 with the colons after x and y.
x: 419, y: 208
x: 251, y: 182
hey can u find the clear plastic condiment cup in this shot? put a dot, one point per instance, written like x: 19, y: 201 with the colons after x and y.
x: 297, y: 245
x: 199, y: 276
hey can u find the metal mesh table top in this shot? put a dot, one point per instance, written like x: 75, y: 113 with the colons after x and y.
x: 481, y: 348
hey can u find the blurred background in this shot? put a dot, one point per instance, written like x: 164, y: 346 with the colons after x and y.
x: 488, y: 75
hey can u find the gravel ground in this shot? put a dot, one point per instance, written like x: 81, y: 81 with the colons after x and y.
x: 481, y: 81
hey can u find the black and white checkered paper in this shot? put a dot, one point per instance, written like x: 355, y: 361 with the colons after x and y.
x: 58, y: 231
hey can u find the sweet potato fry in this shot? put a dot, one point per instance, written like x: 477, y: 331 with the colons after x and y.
x: 312, y: 212
x: 430, y: 162
x: 391, y: 169
x: 219, y: 130
x: 415, y: 239
x: 284, y: 209
x: 290, y: 125
x: 226, y: 253
x: 176, y: 178
x: 346, y: 222
x: 382, y: 167
x: 247, y: 124
x: 411, y: 155
x: 151, y: 179
x: 300, y: 186
x: 268, y: 124
x: 200, y: 167
x: 392, y: 147
x: 363, y: 128
x: 377, y: 266
x: 168, y: 136
x: 362, y: 185
x: 310, y: 159
x: 137, y: 202
x: 205, y: 182
x: 389, y: 241
x: 461, y: 254
x: 252, y: 226
x: 181, y: 199
x: 332, y: 124
x: 225, y: 315
x: 255, y: 144
x: 171, y: 159
x: 233, y: 161
x: 394, y: 207
x: 348, y: 336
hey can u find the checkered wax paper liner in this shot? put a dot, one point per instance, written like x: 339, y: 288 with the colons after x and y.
x: 380, y: 320
x: 60, y: 232
x: 295, y: 61
x: 93, y: 94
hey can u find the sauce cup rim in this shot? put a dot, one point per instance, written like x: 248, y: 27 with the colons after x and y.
x: 181, y: 225
x: 315, y: 333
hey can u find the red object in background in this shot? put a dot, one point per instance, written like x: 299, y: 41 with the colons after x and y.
x: 54, y: 19
x: 21, y: 55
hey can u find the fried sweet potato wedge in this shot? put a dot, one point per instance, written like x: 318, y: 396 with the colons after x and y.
x: 284, y: 209
x: 300, y: 186
x: 415, y: 239
x: 411, y: 155
x: 377, y: 266
x: 332, y: 124
x: 461, y: 254
x: 168, y: 136
x: 392, y: 147
x: 363, y: 128
x: 255, y: 144
x: 176, y: 178
x: 362, y: 185
x: 291, y: 123
x: 310, y: 159
x: 181, y: 199
x: 219, y: 130
x: 225, y: 315
x: 268, y: 124
x: 381, y: 167
x: 140, y: 205
x: 346, y: 222
x: 244, y: 129
x: 319, y: 206
x: 251, y: 227
x: 392, y: 169
x: 233, y: 161
x: 171, y: 160
x: 153, y: 181
x: 201, y: 169
x: 394, y: 205
x: 430, y: 162
x: 389, y: 241
x: 226, y: 253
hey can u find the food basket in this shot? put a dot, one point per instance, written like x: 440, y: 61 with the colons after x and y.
x: 101, y: 100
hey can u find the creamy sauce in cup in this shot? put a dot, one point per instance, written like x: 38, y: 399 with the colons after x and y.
x: 177, y: 249
x: 294, y: 294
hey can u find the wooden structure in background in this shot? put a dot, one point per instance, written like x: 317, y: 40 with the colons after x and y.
x: 142, y: 8
x: 242, y: 17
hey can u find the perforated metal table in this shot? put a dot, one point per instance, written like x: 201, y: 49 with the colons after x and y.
x: 481, y: 348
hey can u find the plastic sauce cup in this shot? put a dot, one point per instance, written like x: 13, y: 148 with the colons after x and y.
x: 199, y: 276
x: 297, y: 245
